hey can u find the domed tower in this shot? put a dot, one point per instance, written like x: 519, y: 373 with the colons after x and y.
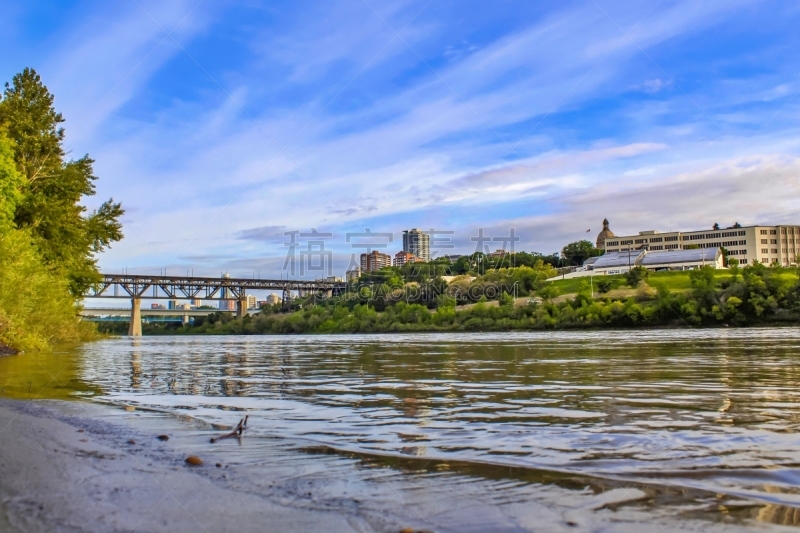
x: 605, y: 234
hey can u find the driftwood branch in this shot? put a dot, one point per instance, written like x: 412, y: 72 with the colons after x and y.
x: 236, y: 432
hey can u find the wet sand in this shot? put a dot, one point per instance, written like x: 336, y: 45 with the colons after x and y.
x: 60, y: 472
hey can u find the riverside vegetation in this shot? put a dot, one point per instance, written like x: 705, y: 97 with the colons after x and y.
x: 48, y: 240
x: 416, y: 298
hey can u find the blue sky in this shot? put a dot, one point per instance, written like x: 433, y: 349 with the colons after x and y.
x: 220, y: 125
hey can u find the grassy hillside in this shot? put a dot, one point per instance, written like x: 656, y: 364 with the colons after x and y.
x: 674, y: 281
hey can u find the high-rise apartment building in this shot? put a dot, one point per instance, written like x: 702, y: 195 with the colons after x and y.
x: 251, y: 301
x: 375, y: 261
x: 417, y: 242
x: 765, y: 244
x: 401, y: 258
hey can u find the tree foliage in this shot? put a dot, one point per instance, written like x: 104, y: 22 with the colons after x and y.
x: 48, y: 240
x: 575, y: 253
x: 53, y: 187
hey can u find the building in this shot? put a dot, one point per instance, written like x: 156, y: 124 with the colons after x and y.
x: 251, y: 301
x: 197, y: 303
x: 157, y: 306
x: 612, y: 263
x: 401, y: 258
x: 352, y: 274
x: 765, y: 244
x: 452, y: 257
x: 603, y: 235
x: 272, y: 299
x: 227, y: 305
x: 172, y: 304
x: 375, y: 261
x: 417, y: 242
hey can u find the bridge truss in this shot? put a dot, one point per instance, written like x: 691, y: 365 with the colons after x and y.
x: 198, y: 288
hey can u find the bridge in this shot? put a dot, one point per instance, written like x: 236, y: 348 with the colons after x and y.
x: 137, y: 287
x: 123, y: 314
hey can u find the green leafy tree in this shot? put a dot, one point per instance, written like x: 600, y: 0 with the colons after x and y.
x: 635, y: 275
x: 50, y: 205
x: 575, y: 253
x: 604, y: 285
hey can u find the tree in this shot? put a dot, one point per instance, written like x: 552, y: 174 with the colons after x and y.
x: 715, y: 226
x: 575, y: 253
x: 50, y: 204
x: 604, y: 285
x: 635, y: 275
x: 737, y: 225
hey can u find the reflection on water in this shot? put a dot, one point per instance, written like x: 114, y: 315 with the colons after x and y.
x: 702, y: 420
x: 38, y: 375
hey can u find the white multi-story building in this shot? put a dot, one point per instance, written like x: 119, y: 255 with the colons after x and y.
x: 418, y: 243
x: 765, y: 244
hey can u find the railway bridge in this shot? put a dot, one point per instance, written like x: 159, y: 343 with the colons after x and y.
x: 137, y: 287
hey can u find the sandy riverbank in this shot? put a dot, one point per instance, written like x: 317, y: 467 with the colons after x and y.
x: 61, y: 472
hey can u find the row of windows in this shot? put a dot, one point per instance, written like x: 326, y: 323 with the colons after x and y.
x: 737, y: 252
x: 771, y: 232
x: 766, y: 251
x: 796, y: 230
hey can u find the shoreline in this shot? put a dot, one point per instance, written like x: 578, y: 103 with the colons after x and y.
x: 7, y: 350
x: 65, y: 468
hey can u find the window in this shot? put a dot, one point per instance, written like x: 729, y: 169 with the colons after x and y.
x: 763, y: 241
x: 773, y: 232
x: 612, y: 243
x: 741, y: 234
x: 656, y: 247
x: 673, y: 238
x: 774, y: 250
x: 784, y: 251
x: 773, y: 241
x: 640, y: 241
x: 743, y: 261
x: 742, y: 243
x: 763, y: 232
x: 764, y: 251
x: 656, y: 239
x: 783, y: 230
x: 625, y: 242
x: 671, y: 246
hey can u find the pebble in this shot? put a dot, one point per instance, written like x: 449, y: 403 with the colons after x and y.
x: 130, y: 408
x: 194, y: 460
x: 131, y: 441
x: 163, y: 437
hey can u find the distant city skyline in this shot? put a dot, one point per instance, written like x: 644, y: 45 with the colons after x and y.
x: 220, y: 127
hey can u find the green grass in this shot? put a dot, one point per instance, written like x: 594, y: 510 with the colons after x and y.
x: 675, y: 281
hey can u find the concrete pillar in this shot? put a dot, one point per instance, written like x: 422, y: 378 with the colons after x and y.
x: 135, y: 327
x: 241, y: 307
x: 185, y: 319
x: 329, y: 293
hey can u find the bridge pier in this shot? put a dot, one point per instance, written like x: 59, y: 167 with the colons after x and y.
x: 135, y: 326
x: 241, y: 307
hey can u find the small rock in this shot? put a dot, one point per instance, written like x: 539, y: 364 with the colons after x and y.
x: 84, y: 440
x: 194, y: 460
x: 163, y: 437
x: 130, y: 408
x: 80, y: 431
x: 131, y: 441
x: 219, y: 465
x: 407, y: 530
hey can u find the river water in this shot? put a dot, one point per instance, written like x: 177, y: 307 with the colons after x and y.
x: 611, y: 430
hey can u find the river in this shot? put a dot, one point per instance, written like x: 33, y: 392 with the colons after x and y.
x: 688, y: 429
